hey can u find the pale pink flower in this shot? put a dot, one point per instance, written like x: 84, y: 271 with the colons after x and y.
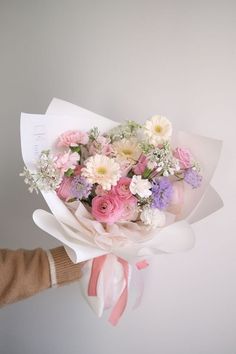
x: 141, y: 165
x: 64, y: 190
x: 177, y: 199
x: 72, y: 138
x: 184, y: 157
x: 100, y: 191
x: 67, y: 160
x: 107, y: 208
x: 125, y: 166
x: 121, y: 189
x: 130, y: 212
x: 100, y: 146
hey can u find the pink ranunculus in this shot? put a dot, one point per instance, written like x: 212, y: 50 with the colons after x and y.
x: 107, y: 208
x: 139, y: 168
x: 72, y: 138
x: 67, y: 160
x: 64, y: 190
x: 100, y: 146
x: 130, y: 209
x: 121, y: 189
x: 184, y: 157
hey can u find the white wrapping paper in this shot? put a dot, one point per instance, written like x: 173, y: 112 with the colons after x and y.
x: 83, y: 237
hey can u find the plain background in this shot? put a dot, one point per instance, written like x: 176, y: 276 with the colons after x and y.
x: 124, y: 60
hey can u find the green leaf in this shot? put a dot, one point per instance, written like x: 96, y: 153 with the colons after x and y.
x: 71, y: 200
x: 75, y: 149
x: 69, y: 172
x: 146, y: 172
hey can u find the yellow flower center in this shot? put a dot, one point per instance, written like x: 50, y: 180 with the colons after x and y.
x: 127, y: 152
x: 101, y: 170
x: 158, y: 128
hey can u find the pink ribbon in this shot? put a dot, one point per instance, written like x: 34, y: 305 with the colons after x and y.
x: 95, y: 272
x: 121, y: 304
x: 142, y: 264
x: 122, y: 301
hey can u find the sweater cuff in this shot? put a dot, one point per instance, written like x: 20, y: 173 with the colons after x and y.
x: 62, y: 269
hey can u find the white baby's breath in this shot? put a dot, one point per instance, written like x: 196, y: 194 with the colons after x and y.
x: 46, y: 176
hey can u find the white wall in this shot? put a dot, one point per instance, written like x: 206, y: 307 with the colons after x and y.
x: 125, y: 60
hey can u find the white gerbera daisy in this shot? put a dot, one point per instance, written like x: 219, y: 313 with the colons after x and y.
x: 127, y: 149
x: 158, y: 129
x: 102, y: 170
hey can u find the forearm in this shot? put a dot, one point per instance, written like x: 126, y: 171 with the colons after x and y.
x: 24, y: 273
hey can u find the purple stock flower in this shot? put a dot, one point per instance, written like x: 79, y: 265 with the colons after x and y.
x: 161, y: 192
x: 192, y: 177
x: 80, y: 187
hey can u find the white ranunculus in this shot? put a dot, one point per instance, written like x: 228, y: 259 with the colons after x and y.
x: 153, y: 217
x: 140, y: 186
x: 158, y: 129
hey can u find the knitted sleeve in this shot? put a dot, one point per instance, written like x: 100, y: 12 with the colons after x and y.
x: 24, y: 273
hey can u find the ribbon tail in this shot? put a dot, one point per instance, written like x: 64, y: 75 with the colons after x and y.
x: 138, y: 279
x: 122, y: 301
x: 97, y: 265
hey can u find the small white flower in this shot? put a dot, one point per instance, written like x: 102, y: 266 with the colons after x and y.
x: 177, y: 166
x: 158, y: 129
x: 152, y: 164
x: 159, y: 168
x: 140, y: 186
x: 153, y: 217
x: 102, y: 170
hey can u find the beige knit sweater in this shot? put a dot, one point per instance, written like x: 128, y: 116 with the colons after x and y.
x: 24, y: 273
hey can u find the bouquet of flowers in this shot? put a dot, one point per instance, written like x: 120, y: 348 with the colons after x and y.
x: 118, y: 193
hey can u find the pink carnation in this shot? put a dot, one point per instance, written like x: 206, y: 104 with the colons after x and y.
x: 64, y: 190
x: 77, y: 170
x: 121, y: 190
x: 72, y: 138
x: 67, y: 160
x: 184, y: 157
x: 107, y: 208
x: 141, y: 165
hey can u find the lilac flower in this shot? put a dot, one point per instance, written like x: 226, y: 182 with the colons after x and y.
x: 80, y: 187
x: 161, y: 193
x: 192, y: 177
